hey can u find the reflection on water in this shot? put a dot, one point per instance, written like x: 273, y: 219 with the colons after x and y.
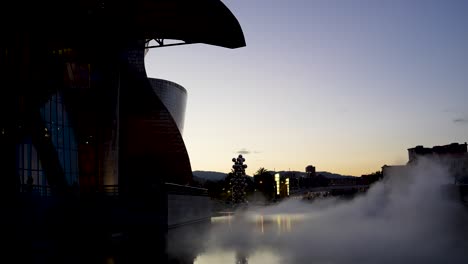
x: 227, y: 238
x: 258, y: 226
x: 220, y: 257
x: 278, y: 223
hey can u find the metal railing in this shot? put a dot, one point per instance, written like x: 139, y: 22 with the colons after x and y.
x: 110, y: 190
x: 113, y: 190
x: 172, y: 188
x: 40, y: 190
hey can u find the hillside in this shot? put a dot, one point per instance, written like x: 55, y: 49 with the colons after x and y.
x: 217, y: 176
x: 210, y: 175
x: 326, y: 174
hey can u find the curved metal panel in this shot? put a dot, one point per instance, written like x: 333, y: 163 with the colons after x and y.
x: 152, y: 150
x: 174, y: 97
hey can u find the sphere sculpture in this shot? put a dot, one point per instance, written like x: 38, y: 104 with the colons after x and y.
x: 238, y: 182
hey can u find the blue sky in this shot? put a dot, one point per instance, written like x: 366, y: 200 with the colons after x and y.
x: 346, y: 86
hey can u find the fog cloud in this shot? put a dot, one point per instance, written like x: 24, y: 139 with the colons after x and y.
x: 411, y: 218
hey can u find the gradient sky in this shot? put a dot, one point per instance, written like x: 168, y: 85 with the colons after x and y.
x: 346, y: 86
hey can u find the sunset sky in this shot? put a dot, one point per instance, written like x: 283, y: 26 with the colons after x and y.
x: 346, y: 86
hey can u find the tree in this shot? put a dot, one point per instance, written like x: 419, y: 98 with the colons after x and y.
x: 261, y: 171
x: 371, y: 178
x: 264, y: 183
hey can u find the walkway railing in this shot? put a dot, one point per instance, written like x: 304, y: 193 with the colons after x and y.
x: 172, y: 188
x: 40, y: 190
x: 110, y: 190
x: 113, y: 190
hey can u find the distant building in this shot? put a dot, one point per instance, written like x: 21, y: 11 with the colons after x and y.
x: 452, y: 150
x: 281, y: 185
x: 344, y: 181
x: 453, y: 155
x: 310, y: 170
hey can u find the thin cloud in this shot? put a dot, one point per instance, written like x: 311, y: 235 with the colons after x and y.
x: 460, y: 120
x: 245, y: 151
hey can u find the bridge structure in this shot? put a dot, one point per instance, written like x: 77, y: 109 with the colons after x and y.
x: 307, y: 193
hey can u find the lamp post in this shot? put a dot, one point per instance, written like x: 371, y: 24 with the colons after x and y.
x: 238, y: 182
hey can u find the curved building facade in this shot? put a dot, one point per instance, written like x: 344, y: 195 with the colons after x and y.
x: 79, y: 115
x: 174, y: 98
x: 84, y: 138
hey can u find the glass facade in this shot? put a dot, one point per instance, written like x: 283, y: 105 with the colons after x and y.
x: 58, y: 128
x: 29, y: 167
x: 98, y: 127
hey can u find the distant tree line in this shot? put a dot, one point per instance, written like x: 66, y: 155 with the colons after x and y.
x: 263, y: 185
x: 221, y: 189
x: 371, y: 178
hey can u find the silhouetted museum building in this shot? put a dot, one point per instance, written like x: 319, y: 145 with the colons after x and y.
x: 79, y: 117
x: 454, y: 158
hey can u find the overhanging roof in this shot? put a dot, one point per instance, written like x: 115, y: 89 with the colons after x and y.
x: 192, y: 21
x: 205, y: 21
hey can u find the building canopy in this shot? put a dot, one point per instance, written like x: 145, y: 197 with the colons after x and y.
x: 191, y: 21
x: 206, y: 21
